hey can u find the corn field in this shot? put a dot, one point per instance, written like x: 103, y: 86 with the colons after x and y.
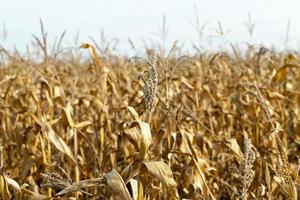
x: 213, y: 125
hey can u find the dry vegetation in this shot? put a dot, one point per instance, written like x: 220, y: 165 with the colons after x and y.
x: 208, y: 126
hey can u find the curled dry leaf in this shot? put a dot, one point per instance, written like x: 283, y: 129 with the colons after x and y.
x: 134, y: 135
x: 117, y: 185
x: 13, y: 183
x: 146, y: 137
x: 130, y: 171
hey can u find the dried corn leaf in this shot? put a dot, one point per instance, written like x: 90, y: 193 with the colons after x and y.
x: 4, y: 191
x: 233, y: 145
x: 12, y: 183
x: 200, y: 180
x: 32, y: 195
x: 59, y: 143
x: 130, y: 171
x: 68, y: 110
x: 82, y: 124
x: 117, y: 185
x: 133, y: 113
x: 186, y: 83
x: 281, y: 73
x: 146, y: 137
x: 161, y: 171
x: 96, y: 182
x: 133, y: 184
x: 54, y: 138
x: 267, y: 177
x: 134, y: 135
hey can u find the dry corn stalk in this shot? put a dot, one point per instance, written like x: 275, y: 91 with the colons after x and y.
x: 99, y: 67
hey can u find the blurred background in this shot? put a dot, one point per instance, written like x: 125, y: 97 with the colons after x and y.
x: 205, y: 24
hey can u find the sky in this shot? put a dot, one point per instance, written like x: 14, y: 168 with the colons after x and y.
x: 140, y: 20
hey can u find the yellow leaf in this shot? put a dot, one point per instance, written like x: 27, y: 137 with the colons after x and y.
x: 59, y: 143
x: 233, y: 145
x: 146, y: 137
x: 281, y: 73
x: 81, y: 184
x: 161, y: 171
x: 68, y: 110
x: 53, y: 137
x: 4, y: 191
x: 117, y: 185
x: 82, y: 124
x: 133, y: 113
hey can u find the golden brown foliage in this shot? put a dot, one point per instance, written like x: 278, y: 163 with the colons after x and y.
x: 93, y: 130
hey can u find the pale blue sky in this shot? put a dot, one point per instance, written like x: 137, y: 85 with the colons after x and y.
x: 138, y: 19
